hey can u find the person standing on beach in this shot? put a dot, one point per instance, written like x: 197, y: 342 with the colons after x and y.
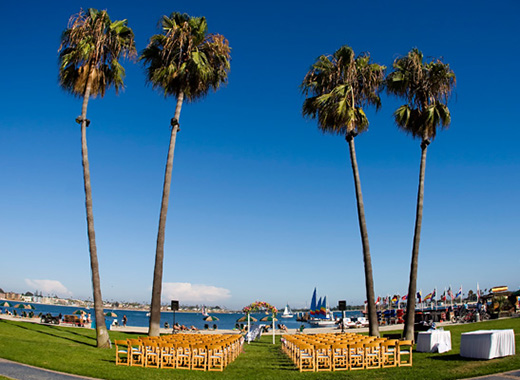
x: 124, y: 320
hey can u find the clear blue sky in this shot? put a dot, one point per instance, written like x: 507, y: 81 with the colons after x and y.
x: 262, y: 204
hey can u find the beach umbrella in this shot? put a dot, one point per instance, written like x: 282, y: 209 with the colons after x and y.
x: 29, y: 307
x: 80, y: 312
x: 244, y: 319
x: 269, y: 318
x: 210, y: 318
x: 5, y: 304
x: 111, y: 314
x: 20, y: 306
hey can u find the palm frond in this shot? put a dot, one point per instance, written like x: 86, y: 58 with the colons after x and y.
x: 91, y: 47
x: 338, y: 86
x: 426, y: 86
x: 185, y: 59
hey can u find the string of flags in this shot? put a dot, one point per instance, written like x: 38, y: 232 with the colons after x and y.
x: 430, y: 297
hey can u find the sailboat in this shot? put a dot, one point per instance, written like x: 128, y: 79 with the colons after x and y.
x: 287, y: 313
x: 204, y: 311
x: 321, y: 315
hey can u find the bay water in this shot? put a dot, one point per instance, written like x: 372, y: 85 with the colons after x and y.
x: 141, y: 319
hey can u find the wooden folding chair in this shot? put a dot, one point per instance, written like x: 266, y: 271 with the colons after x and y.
x: 183, y: 355
x: 340, y: 357
x: 322, y: 354
x: 216, y: 357
x: 199, y: 357
x: 372, y: 355
x: 356, y: 356
x: 135, y: 348
x: 167, y: 358
x: 389, y: 353
x: 404, y: 352
x: 122, y: 355
x: 305, y: 357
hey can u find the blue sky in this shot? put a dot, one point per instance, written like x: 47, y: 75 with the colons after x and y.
x: 262, y: 204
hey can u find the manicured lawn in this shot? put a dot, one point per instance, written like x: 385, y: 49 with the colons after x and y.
x: 73, y: 350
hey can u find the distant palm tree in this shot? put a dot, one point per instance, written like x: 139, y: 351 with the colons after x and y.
x: 186, y: 62
x: 426, y: 87
x: 339, y: 86
x: 90, y: 49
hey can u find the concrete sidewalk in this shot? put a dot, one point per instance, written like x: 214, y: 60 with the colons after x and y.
x: 500, y: 376
x: 19, y: 371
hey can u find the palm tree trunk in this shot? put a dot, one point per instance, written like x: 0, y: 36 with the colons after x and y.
x: 103, y: 340
x: 412, y: 286
x: 367, y: 259
x: 155, y: 309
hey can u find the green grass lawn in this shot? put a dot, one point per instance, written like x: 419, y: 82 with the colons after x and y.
x: 73, y: 350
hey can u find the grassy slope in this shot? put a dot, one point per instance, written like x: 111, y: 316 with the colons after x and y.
x: 73, y: 350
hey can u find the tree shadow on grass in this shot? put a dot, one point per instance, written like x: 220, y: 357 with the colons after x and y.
x: 49, y: 333
x: 275, y: 358
x: 448, y: 358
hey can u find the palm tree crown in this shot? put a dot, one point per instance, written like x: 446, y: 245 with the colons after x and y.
x: 91, y: 47
x: 340, y: 85
x: 426, y: 87
x: 185, y: 59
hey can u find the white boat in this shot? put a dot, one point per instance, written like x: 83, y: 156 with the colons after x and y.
x: 322, y: 322
x: 204, y: 311
x: 287, y: 313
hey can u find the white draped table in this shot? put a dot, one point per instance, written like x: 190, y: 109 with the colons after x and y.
x: 434, y: 341
x: 487, y: 344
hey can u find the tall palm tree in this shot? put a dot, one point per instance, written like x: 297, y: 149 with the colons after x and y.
x: 338, y: 87
x: 89, y: 56
x: 426, y: 86
x: 186, y: 62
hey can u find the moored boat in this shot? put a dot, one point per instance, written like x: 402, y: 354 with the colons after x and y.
x: 287, y: 313
x: 321, y: 316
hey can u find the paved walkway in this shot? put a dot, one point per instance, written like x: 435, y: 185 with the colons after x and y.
x: 500, y: 376
x: 26, y: 372
x: 19, y: 371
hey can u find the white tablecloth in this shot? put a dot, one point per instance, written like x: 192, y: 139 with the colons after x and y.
x: 487, y: 344
x: 434, y: 341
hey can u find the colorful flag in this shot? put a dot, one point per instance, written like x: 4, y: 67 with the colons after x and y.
x: 419, y: 294
x: 450, y: 293
x: 434, y: 293
x: 429, y: 297
x: 395, y: 299
x: 378, y: 300
x: 459, y: 293
x: 404, y: 298
x: 443, y: 297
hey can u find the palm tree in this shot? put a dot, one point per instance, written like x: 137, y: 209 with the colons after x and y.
x: 426, y: 87
x: 88, y: 65
x: 186, y: 62
x: 338, y: 87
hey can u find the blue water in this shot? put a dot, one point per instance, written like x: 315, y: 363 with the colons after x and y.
x: 139, y: 318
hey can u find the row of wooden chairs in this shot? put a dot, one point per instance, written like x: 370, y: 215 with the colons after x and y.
x: 200, y: 352
x: 343, y: 352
